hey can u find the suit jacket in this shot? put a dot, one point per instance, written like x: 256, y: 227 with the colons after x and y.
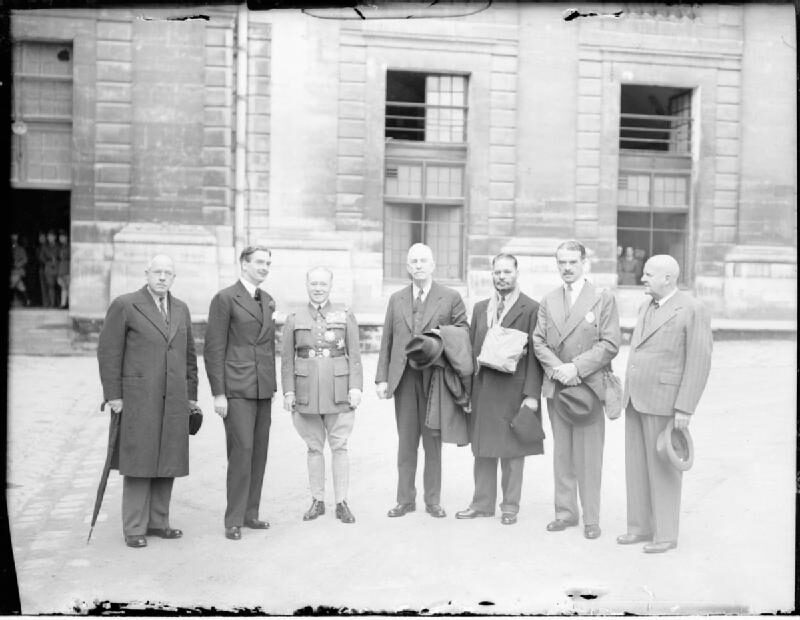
x: 443, y: 306
x: 321, y: 383
x: 153, y: 369
x: 669, y: 362
x: 239, y: 351
x: 588, y: 337
x: 497, y: 396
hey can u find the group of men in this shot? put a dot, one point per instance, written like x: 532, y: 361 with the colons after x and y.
x: 433, y: 363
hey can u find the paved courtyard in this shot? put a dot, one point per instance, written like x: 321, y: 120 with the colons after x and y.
x: 736, y: 550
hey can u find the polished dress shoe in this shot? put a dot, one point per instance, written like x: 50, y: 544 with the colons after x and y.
x: 591, y: 531
x: 343, y: 513
x: 234, y: 532
x: 660, y: 547
x: 508, y: 518
x: 435, y: 510
x: 469, y: 513
x: 255, y: 524
x: 316, y: 509
x: 560, y: 524
x: 632, y: 539
x: 165, y: 532
x: 136, y: 541
x: 402, y: 509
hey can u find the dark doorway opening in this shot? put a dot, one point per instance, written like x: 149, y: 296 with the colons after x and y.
x: 41, y: 259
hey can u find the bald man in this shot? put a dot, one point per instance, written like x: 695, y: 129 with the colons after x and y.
x: 414, y: 309
x: 148, y: 369
x: 668, y: 367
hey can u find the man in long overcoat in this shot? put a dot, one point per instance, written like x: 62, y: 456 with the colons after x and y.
x: 414, y: 309
x: 576, y: 337
x: 497, y: 397
x: 239, y: 356
x: 148, y: 369
x: 322, y: 377
x: 668, y: 367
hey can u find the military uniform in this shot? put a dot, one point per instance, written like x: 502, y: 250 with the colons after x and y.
x: 321, y: 363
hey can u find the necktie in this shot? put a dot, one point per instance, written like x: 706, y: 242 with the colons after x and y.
x: 648, y: 314
x: 418, y: 301
x: 501, y: 305
x: 568, y: 297
x: 257, y: 296
x: 163, y: 309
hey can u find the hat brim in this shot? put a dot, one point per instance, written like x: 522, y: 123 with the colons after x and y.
x: 666, y: 449
x: 434, y: 358
x: 577, y: 404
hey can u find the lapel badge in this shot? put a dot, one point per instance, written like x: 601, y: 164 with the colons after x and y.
x: 590, y: 317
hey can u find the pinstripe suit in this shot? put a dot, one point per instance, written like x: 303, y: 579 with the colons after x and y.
x: 668, y: 367
x: 588, y: 336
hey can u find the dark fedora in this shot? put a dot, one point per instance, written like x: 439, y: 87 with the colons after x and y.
x: 527, y: 426
x: 676, y: 446
x: 576, y: 404
x: 424, y: 350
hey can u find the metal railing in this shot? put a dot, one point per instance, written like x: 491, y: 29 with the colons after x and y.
x: 656, y: 132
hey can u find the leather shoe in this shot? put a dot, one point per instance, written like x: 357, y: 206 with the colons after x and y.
x: 255, y: 524
x: 560, y: 524
x: 402, y: 509
x: 469, y: 513
x: 591, y: 531
x: 136, y: 541
x: 316, y: 509
x: 632, y: 539
x: 343, y: 513
x: 166, y: 532
x: 435, y: 510
x: 234, y: 532
x: 660, y: 547
x: 508, y: 518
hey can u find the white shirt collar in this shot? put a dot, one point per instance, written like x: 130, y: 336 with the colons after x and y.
x: 577, y: 287
x: 156, y: 298
x: 251, y: 288
x: 666, y: 298
x: 425, y: 290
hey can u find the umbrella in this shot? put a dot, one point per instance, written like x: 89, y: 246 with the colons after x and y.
x: 113, y: 432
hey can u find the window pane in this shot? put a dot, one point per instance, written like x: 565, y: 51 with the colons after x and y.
x: 402, y: 228
x: 403, y: 180
x: 633, y: 189
x: 669, y: 221
x: 443, y: 232
x: 633, y: 219
x: 445, y: 120
x: 670, y: 191
x: 444, y: 182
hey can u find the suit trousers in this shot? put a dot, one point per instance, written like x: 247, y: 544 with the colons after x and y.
x: 313, y: 427
x: 653, y: 485
x: 410, y: 408
x: 247, y: 440
x: 577, y: 465
x: 145, y: 503
x: 485, y: 472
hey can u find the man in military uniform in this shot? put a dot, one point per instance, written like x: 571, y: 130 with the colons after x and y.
x: 322, y: 379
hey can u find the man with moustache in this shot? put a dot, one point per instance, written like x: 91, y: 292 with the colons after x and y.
x: 321, y: 376
x: 148, y: 369
x: 668, y: 367
x: 576, y: 336
x: 497, y: 397
x: 421, y: 306
x: 239, y: 357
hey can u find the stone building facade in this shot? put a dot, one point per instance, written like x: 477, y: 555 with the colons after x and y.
x: 342, y: 141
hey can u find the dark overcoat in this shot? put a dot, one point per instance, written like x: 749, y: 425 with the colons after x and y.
x: 497, y: 396
x: 153, y: 369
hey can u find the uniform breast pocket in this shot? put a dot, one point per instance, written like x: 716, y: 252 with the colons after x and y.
x: 301, y: 381
x: 341, y: 380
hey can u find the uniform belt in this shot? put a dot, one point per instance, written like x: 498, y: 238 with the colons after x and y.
x: 310, y: 352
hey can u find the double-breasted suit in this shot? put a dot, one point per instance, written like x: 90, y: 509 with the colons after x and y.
x: 496, y: 399
x: 321, y: 363
x: 152, y: 367
x: 441, y: 306
x: 239, y: 356
x: 668, y: 366
x: 587, y: 335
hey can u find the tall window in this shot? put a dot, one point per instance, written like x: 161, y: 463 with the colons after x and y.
x: 424, y: 173
x: 654, y: 182
x: 42, y: 115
